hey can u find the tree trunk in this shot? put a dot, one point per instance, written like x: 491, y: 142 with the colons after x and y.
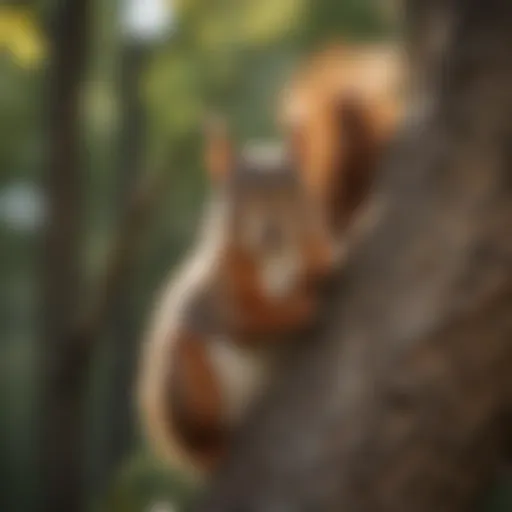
x: 61, y: 364
x: 400, y: 402
x: 123, y: 355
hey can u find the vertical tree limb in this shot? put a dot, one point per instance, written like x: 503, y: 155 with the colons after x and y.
x: 61, y: 411
x: 124, y: 340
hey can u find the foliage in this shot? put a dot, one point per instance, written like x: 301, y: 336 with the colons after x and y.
x: 144, y: 483
x: 21, y: 35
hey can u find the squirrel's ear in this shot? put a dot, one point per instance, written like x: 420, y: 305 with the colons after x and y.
x: 218, y: 149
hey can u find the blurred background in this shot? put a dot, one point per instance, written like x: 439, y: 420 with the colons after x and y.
x: 101, y: 189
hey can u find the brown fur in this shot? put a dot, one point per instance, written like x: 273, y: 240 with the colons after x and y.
x: 195, y: 401
x: 260, y: 315
x: 336, y: 138
x: 338, y: 114
x: 185, y: 413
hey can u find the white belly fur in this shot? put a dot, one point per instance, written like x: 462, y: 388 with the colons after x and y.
x: 243, y: 373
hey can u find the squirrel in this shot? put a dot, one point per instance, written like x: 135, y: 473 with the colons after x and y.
x: 273, y: 235
x: 253, y: 280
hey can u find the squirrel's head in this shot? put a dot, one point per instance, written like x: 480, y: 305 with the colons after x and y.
x: 270, y: 223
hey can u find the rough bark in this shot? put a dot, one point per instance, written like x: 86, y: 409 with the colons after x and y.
x: 400, y: 402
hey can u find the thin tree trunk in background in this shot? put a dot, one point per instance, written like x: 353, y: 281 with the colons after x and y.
x: 402, y: 402
x: 124, y: 340
x: 61, y: 360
